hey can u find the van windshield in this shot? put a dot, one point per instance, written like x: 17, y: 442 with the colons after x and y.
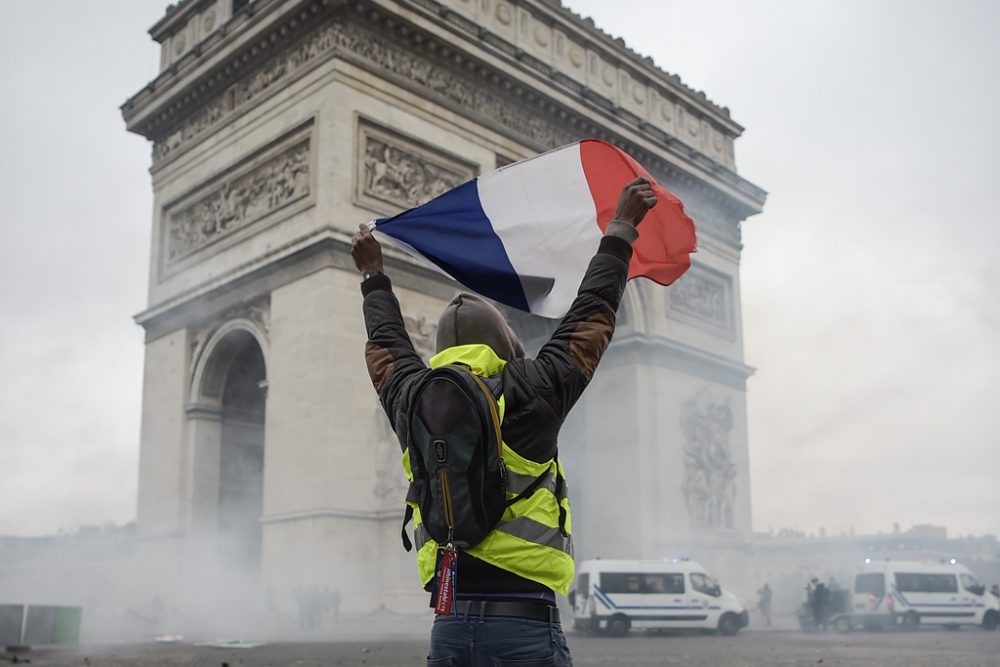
x: 873, y: 584
x: 705, y: 584
x: 970, y: 584
x: 583, y: 585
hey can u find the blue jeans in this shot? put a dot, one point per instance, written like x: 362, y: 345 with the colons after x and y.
x: 496, y: 641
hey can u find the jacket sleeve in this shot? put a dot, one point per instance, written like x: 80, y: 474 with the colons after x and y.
x: 566, y: 363
x: 393, y: 364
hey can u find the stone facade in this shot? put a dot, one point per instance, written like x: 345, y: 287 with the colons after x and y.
x: 276, y: 127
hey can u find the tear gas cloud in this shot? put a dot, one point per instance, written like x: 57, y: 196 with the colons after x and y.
x: 867, y: 298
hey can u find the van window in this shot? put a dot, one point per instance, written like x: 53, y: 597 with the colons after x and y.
x: 620, y: 582
x: 915, y: 582
x: 663, y: 583
x: 637, y: 582
x: 705, y: 584
x: 583, y: 584
x: 873, y: 584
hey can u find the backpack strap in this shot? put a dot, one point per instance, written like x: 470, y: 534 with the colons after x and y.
x: 529, y: 490
x: 560, y: 486
x: 407, y: 515
x: 411, y: 496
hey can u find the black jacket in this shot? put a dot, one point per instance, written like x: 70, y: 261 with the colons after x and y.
x: 538, y: 392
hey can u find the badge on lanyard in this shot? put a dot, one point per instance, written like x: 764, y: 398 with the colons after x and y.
x: 447, y: 578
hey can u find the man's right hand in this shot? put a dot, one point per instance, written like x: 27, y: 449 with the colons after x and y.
x: 636, y: 199
x: 366, y: 251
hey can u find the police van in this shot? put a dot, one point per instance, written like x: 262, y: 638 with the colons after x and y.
x: 614, y: 596
x: 908, y: 594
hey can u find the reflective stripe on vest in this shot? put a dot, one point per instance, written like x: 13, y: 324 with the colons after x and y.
x: 527, y: 541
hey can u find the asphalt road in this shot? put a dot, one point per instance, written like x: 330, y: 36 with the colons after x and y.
x: 925, y: 648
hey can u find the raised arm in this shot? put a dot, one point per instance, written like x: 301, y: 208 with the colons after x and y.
x: 392, y: 362
x: 566, y: 363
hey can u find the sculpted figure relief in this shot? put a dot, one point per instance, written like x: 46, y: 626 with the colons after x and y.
x: 398, y: 176
x: 239, y: 201
x: 698, y: 295
x: 709, y: 471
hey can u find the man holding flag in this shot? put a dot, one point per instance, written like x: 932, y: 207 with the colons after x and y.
x: 505, y: 605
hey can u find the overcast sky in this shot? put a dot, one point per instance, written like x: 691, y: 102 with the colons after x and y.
x: 871, y: 286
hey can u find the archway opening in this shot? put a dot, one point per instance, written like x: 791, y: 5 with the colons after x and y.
x: 241, y: 457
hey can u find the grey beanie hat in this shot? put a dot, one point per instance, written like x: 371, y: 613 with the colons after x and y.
x: 469, y: 319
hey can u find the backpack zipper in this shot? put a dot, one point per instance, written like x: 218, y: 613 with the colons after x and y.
x: 449, y: 513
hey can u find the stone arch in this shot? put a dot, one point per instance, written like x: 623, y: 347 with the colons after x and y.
x: 226, y: 420
x: 214, y: 360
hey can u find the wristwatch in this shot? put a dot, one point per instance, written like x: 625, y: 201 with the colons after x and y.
x: 371, y: 273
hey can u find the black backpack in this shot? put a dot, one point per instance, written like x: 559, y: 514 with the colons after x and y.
x: 456, y: 459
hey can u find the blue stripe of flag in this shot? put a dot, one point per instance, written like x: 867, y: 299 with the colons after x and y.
x: 453, y: 232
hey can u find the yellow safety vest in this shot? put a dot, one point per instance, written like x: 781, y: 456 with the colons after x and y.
x: 528, y: 540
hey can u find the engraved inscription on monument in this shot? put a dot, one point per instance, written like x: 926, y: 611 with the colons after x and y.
x: 255, y: 190
x: 395, y: 172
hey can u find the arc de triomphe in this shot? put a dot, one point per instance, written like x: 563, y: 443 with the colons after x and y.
x: 277, y: 126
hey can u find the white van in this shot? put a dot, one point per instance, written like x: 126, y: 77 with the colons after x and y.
x: 616, y: 595
x: 907, y: 594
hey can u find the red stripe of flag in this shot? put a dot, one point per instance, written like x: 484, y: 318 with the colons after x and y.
x: 666, y: 236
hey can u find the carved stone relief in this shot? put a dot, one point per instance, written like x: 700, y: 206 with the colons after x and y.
x: 440, y: 80
x: 370, y: 51
x: 709, y: 469
x: 265, y: 184
x: 702, y: 297
x: 400, y: 172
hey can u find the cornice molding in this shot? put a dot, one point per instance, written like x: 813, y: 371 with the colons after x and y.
x: 585, y: 30
x: 324, y: 248
x: 653, y: 350
x: 557, y: 110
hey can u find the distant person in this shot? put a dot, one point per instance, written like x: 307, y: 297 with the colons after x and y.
x: 309, y: 601
x: 820, y: 596
x: 333, y: 602
x: 764, y: 603
x: 995, y: 590
x: 505, y: 605
x: 298, y: 594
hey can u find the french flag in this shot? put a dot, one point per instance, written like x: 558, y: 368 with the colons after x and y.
x: 523, y: 235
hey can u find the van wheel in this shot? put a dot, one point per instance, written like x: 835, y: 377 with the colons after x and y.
x: 729, y: 625
x: 910, y: 621
x: 991, y: 620
x: 618, y: 626
x: 843, y: 624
